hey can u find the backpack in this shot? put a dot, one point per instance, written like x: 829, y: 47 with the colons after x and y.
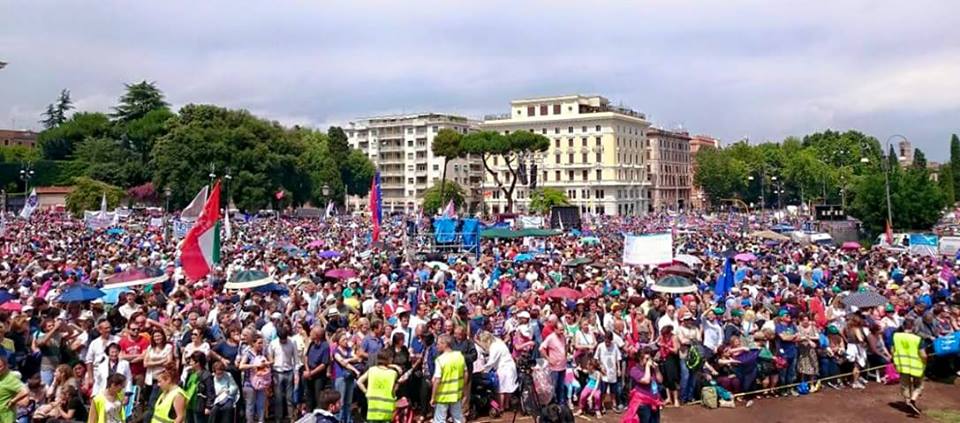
x: 694, y: 358
x: 709, y: 397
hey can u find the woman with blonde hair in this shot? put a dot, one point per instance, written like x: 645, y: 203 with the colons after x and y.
x: 500, y: 360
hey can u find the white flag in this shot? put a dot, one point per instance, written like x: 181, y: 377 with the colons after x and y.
x: 330, y: 209
x: 193, y: 210
x: 226, y: 225
x: 103, y: 204
x: 30, y: 205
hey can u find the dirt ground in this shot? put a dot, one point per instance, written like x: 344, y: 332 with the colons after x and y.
x: 876, y: 404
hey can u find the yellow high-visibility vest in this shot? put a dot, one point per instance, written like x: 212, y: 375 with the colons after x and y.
x: 380, y: 399
x: 451, y: 365
x: 906, y: 354
x: 100, y: 407
x: 161, y: 410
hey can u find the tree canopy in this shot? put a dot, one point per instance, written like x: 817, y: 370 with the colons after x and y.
x: 514, y: 150
x: 432, y: 201
x: 141, y: 98
x: 543, y: 199
x: 87, y: 194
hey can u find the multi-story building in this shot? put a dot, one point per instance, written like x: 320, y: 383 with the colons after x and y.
x: 669, y: 170
x: 595, y: 155
x: 11, y: 137
x: 905, y: 148
x: 400, y: 146
x: 698, y: 142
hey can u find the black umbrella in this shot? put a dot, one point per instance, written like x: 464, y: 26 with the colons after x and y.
x: 865, y: 299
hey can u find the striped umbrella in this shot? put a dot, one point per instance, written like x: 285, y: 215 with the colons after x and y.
x: 248, y: 279
x: 674, y: 284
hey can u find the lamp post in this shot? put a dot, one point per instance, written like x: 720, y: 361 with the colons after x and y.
x: 26, y: 174
x: 212, y: 174
x: 779, y: 190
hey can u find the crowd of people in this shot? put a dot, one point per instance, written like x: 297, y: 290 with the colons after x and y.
x: 398, y: 332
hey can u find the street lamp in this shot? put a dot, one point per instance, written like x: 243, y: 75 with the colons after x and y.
x: 325, y: 190
x: 25, y: 175
x: 212, y: 174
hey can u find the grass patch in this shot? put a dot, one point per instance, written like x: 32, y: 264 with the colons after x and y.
x: 944, y: 416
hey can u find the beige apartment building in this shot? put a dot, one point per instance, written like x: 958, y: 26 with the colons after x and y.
x: 596, y: 154
x: 669, y: 170
x: 400, y: 146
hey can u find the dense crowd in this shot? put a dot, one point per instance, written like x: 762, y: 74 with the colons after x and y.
x: 397, y: 323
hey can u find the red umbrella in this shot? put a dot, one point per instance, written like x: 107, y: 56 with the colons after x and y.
x: 850, y: 246
x: 564, y: 293
x: 679, y: 270
x: 11, y: 306
x: 341, y: 273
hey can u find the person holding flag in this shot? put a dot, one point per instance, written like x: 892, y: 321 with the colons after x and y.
x: 376, y: 206
x: 200, y: 251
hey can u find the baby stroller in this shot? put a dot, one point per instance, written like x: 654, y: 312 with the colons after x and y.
x: 483, y: 395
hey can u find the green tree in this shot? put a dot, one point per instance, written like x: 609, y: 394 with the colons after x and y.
x: 338, y: 144
x: 955, y: 161
x: 262, y: 156
x: 543, y: 199
x: 104, y: 159
x: 945, y: 181
x: 432, y: 201
x: 320, y: 168
x: 512, y: 149
x: 18, y: 154
x: 719, y: 174
x: 141, y: 98
x: 88, y: 193
x: 916, y: 203
x: 446, y: 144
x: 919, y: 159
x: 141, y: 133
x: 358, y: 172
x: 58, y: 143
x: 56, y: 114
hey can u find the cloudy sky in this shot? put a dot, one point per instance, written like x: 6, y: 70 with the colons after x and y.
x: 735, y: 68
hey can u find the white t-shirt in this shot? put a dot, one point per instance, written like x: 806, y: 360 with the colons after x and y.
x: 608, y: 358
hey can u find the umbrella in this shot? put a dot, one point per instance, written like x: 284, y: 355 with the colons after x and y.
x: 688, y: 259
x: 679, y: 270
x: 564, y: 293
x: 11, y: 306
x: 341, y: 273
x: 5, y: 296
x: 864, y: 299
x: 271, y: 287
x: 589, y: 240
x: 770, y: 235
x: 135, y: 276
x: 674, y: 284
x: 850, y: 246
x: 438, y: 264
x: 248, y: 279
x: 520, y: 258
x: 114, y: 231
x: 329, y: 254
x: 314, y: 244
x: 578, y: 262
x: 113, y: 294
x: 79, y: 293
x: 745, y: 257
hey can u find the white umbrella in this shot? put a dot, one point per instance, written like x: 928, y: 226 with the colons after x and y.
x: 688, y: 259
x: 441, y: 265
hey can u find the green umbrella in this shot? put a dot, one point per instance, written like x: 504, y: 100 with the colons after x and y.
x: 578, y: 262
x: 248, y: 279
x: 674, y: 284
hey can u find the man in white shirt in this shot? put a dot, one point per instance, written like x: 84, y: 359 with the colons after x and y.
x: 403, y: 326
x: 286, y: 359
x: 609, y: 356
x: 712, y: 331
x: 97, y: 350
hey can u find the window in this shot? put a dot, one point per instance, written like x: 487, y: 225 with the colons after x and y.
x: 409, y: 180
x: 583, y: 157
x: 543, y: 110
x: 556, y: 109
x: 574, y: 192
x: 556, y: 130
x: 584, y: 175
x: 598, y: 128
x: 531, y: 111
x: 583, y: 129
x: 557, y: 158
x: 434, y: 128
x: 506, y: 132
x: 436, y: 167
x: 570, y: 158
x: 569, y: 129
x: 599, y: 157
x: 557, y: 142
x: 583, y: 141
x: 599, y: 175
x: 556, y: 174
x: 570, y: 142
x: 599, y: 143
x: 570, y: 175
x: 409, y: 143
x: 543, y: 131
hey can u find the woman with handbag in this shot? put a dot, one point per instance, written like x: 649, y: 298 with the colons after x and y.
x: 226, y: 394
x: 256, y: 379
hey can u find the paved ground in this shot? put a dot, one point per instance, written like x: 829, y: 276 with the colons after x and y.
x: 876, y: 404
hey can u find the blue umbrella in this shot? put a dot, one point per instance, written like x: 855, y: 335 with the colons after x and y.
x: 114, y: 231
x: 520, y: 258
x: 271, y: 287
x: 5, y: 296
x: 328, y: 254
x: 79, y: 293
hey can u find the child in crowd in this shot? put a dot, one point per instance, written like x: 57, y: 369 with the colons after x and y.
x: 590, y: 396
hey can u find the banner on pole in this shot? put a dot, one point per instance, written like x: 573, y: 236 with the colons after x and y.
x: 650, y: 249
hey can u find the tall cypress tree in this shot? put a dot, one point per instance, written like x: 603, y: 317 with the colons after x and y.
x: 955, y: 161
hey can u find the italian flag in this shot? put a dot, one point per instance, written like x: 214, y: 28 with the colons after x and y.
x: 201, y: 247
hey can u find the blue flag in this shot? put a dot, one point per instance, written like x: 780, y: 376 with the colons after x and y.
x: 725, y: 282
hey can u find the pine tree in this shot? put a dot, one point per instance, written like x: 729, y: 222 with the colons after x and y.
x: 919, y: 159
x: 955, y: 161
x: 946, y: 185
x: 64, y: 104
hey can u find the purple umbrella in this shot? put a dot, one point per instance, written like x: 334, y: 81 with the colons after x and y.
x: 745, y: 257
x: 341, y: 273
x: 328, y: 254
x: 315, y: 244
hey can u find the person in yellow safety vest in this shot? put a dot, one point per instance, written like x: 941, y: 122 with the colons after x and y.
x: 910, y: 360
x: 379, y: 384
x: 108, y: 405
x: 448, y: 382
x: 171, y: 399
